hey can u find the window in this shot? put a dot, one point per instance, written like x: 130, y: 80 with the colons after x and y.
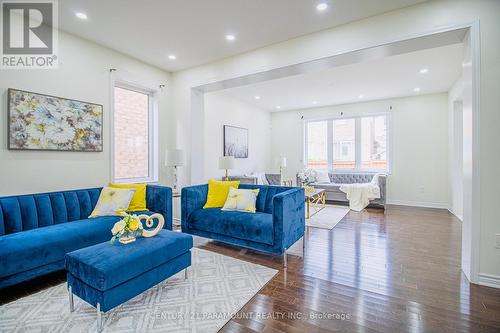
x: 350, y: 144
x: 317, y: 146
x: 134, y: 146
x: 374, y: 143
x: 344, y: 155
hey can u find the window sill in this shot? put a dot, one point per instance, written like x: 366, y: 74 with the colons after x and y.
x: 136, y: 181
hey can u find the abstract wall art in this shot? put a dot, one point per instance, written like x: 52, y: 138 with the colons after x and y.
x: 44, y: 122
x: 235, y: 141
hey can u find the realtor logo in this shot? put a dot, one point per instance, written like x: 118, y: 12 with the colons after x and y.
x: 29, y: 34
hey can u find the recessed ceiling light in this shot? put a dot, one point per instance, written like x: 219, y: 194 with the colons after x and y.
x: 81, y: 16
x: 314, y: 102
x: 172, y: 56
x: 423, y: 71
x: 361, y: 96
x: 278, y: 107
x: 257, y: 97
x: 230, y: 37
x: 321, y: 6
x: 416, y: 89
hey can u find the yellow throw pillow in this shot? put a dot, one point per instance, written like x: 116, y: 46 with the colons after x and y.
x: 217, y: 192
x: 138, y: 202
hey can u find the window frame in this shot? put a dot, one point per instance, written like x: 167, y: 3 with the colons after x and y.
x: 328, y: 144
x: 357, y: 142
x: 152, y: 132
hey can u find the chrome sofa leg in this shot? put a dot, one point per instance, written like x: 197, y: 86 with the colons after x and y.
x: 185, y: 273
x: 71, y: 302
x: 99, y: 318
x: 285, y: 263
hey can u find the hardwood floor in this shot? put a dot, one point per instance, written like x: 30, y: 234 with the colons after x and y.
x: 372, y: 273
x: 396, y: 272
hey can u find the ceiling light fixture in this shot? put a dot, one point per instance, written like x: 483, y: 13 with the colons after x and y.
x: 361, y: 96
x: 81, y: 16
x: 230, y: 37
x: 314, y: 102
x: 257, y: 97
x: 321, y: 6
x: 423, y: 71
x: 278, y: 107
x: 416, y: 89
x: 172, y: 56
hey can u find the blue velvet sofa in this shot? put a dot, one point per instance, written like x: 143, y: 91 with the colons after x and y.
x: 37, y: 230
x: 278, y: 223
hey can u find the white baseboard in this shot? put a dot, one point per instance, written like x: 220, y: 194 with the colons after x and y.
x: 456, y: 215
x: 489, y: 280
x: 418, y: 204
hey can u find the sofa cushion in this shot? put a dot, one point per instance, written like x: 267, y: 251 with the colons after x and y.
x: 255, y: 227
x: 30, y: 249
x: 351, y: 178
x: 2, y: 226
x: 11, y: 215
x: 106, y: 265
x: 31, y: 211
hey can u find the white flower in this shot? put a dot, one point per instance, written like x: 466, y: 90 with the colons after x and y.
x: 59, y: 111
x: 84, y: 120
x: 61, y: 132
x: 24, y: 107
x: 119, y: 226
x: 35, y: 132
x: 44, y: 116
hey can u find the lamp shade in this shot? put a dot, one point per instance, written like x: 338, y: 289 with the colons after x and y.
x: 174, y: 157
x: 226, y: 162
x: 283, y: 162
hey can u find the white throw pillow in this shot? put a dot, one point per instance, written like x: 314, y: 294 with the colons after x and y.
x: 241, y: 200
x: 113, y: 201
x: 322, y: 177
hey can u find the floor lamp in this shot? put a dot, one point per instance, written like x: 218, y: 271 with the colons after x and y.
x: 174, y: 158
x: 282, y: 166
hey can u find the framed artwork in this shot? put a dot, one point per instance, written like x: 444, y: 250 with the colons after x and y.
x: 235, y: 141
x: 44, y: 122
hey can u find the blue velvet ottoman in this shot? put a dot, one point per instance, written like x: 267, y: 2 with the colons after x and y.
x: 106, y: 275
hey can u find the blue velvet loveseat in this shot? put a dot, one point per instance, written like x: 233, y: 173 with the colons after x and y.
x: 37, y: 230
x: 278, y: 223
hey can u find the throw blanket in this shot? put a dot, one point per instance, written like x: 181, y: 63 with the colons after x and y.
x: 260, y: 176
x: 360, y: 194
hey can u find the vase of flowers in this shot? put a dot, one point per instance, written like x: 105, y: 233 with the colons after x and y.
x: 307, y: 176
x: 127, y: 229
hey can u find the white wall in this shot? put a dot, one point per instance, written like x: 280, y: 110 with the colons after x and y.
x: 418, y: 144
x: 455, y: 148
x: 468, y: 165
x: 83, y: 74
x: 395, y: 25
x: 220, y: 110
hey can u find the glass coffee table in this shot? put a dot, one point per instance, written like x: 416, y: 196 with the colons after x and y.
x: 315, y: 199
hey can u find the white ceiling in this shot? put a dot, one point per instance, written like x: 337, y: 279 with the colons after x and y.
x: 194, y: 30
x: 384, y: 78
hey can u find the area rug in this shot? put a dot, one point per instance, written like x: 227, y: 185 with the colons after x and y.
x: 328, y: 217
x: 217, y: 287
